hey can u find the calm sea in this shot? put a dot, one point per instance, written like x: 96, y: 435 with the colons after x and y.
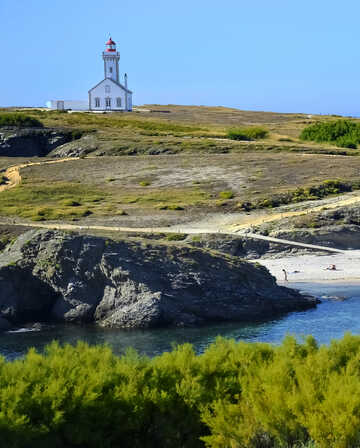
x: 331, y: 319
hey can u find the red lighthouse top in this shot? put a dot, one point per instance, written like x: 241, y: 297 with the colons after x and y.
x: 110, y: 45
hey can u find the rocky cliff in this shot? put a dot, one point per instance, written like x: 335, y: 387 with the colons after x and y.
x: 58, y: 276
x: 32, y: 141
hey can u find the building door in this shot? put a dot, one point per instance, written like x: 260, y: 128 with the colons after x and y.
x: 108, y: 103
x: 60, y: 105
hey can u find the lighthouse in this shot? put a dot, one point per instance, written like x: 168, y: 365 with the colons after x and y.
x: 111, y: 59
x: 110, y: 94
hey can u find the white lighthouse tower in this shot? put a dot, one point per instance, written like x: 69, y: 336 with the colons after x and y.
x: 110, y: 94
x: 111, y: 61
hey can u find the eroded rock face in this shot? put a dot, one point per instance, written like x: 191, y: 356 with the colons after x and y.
x: 52, y: 275
x: 31, y: 142
x: 76, y: 148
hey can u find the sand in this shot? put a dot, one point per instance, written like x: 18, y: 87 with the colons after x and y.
x: 312, y: 268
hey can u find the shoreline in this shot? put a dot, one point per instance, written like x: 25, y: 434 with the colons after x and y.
x: 312, y: 268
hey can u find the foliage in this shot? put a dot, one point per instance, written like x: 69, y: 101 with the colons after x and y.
x: 227, y: 194
x: 234, y: 395
x: 144, y: 183
x: 249, y: 133
x: 18, y: 120
x: 312, y: 193
x: 344, y: 133
x: 176, y: 236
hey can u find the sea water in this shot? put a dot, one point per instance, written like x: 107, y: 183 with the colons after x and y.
x: 337, y: 314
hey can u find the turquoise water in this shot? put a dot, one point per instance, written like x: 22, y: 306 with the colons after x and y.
x: 331, y: 319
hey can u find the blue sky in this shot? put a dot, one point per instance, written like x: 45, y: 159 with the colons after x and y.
x: 279, y: 55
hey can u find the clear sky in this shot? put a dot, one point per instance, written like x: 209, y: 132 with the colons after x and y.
x: 279, y: 55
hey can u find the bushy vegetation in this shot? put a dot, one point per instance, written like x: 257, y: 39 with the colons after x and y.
x: 313, y: 193
x: 13, y: 119
x: 227, y: 194
x: 249, y: 133
x: 234, y: 395
x: 344, y: 133
x: 176, y: 236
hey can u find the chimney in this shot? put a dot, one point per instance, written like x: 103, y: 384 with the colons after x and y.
x: 125, y: 77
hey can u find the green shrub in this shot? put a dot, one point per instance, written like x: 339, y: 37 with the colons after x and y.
x: 250, y: 133
x: 71, y: 203
x: 144, y: 183
x: 344, y: 133
x: 226, y: 194
x: 171, y: 207
x: 315, y: 192
x: 13, y: 119
x: 234, y: 395
x: 176, y: 236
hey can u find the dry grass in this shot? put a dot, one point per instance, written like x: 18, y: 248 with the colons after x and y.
x: 176, y: 183
x: 153, y: 129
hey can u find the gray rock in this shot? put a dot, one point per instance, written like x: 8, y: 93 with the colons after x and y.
x: 52, y: 275
x: 76, y: 148
x: 31, y: 141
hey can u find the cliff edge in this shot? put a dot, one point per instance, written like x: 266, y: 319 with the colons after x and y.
x: 58, y: 276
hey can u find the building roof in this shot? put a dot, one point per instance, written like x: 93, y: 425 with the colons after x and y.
x: 116, y: 83
x: 110, y: 42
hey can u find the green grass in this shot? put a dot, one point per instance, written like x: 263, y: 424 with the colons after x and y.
x: 144, y: 183
x: 234, y: 395
x: 249, y: 133
x: 45, y: 202
x: 19, y: 120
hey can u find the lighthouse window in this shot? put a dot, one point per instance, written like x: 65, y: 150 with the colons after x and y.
x: 118, y: 102
x: 108, y: 102
x: 97, y: 102
x: 110, y: 69
x: 107, y: 89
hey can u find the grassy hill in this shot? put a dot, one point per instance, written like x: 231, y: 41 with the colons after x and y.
x: 184, y: 166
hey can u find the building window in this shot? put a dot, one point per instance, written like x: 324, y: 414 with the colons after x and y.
x: 110, y: 69
x: 107, y: 89
x: 108, y: 102
x: 97, y: 102
x: 118, y: 102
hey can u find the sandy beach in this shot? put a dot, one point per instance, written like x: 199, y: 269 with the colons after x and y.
x: 312, y: 268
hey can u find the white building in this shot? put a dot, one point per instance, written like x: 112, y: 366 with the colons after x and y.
x: 110, y: 94
x: 67, y: 105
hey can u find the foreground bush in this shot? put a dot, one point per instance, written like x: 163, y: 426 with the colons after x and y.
x: 234, y: 395
x: 343, y: 133
x: 250, y: 133
x: 18, y: 120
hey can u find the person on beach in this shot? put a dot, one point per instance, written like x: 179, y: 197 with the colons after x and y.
x: 332, y: 267
x: 285, y: 275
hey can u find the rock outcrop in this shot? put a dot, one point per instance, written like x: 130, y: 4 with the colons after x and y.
x: 31, y: 142
x: 58, y: 276
x: 76, y: 148
x: 338, y: 228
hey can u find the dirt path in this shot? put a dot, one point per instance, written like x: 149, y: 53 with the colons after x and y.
x: 13, y: 172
